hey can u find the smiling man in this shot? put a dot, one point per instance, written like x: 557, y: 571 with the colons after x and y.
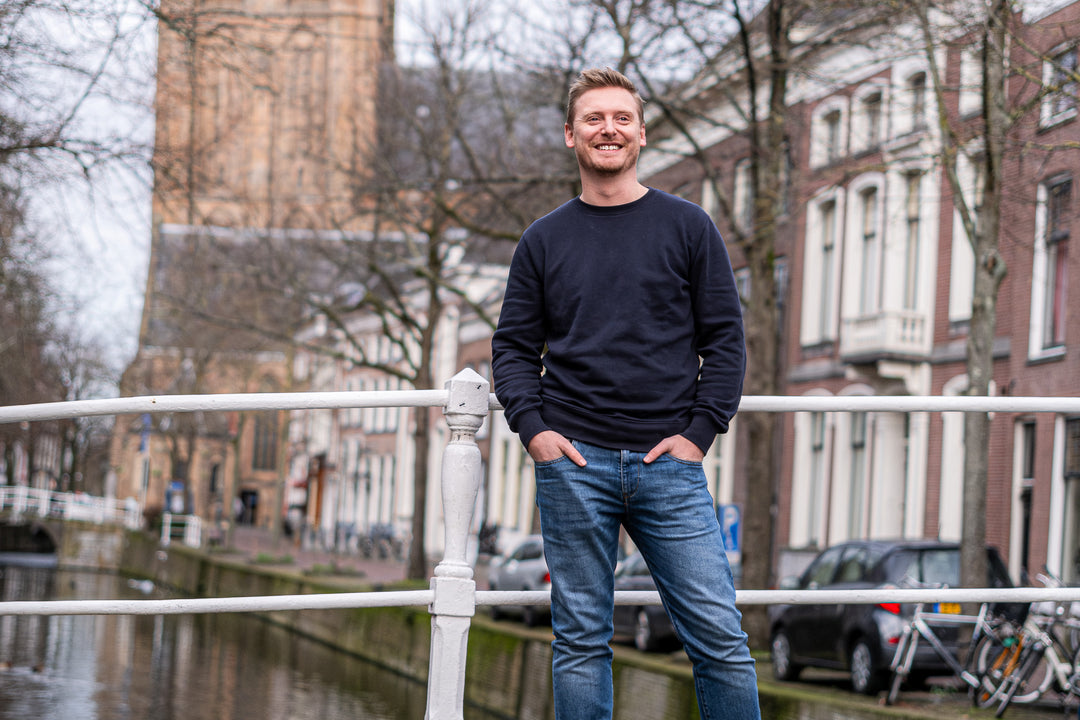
x: 618, y: 357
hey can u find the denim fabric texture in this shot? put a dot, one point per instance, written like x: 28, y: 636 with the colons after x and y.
x: 668, y: 512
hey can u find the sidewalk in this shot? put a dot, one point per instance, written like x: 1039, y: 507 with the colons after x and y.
x: 259, y: 545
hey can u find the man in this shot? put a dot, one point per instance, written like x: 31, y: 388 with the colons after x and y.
x: 631, y: 292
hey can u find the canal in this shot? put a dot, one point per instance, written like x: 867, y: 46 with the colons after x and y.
x: 182, y: 667
x: 229, y: 667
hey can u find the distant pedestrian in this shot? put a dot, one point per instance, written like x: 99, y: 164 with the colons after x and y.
x: 619, y: 356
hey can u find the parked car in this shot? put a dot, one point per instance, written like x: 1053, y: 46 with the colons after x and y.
x: 525, y: 568
x: 648, y: 625
x: 862, y: 638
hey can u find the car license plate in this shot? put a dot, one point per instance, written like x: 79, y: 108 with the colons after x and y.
x: 948, y: 608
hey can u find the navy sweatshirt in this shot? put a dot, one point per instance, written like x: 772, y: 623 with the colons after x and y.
x: 629, y: 302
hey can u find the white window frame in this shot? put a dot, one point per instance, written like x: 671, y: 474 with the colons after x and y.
x: 864, y: 136
x: 821, y: 152
x: 811, y: 478
x: 865, y: 279
x: 907, y: 118
x: 1040, y: 268
x: 970, y: 98
x: 821, y: 300
x: 1049, y: 114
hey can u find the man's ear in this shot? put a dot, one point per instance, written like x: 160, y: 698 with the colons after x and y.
x: 568, y: 134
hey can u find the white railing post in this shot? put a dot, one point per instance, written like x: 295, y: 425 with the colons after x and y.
x: 166, y: 529
x: 453, y: 587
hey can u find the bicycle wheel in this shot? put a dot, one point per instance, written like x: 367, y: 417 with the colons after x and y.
x: 994, y: 659
x: 998, y: 660
x: 1020, y: 683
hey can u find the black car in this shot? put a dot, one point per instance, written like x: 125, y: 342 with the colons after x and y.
x: 648, y: 625
x: 862, y: 638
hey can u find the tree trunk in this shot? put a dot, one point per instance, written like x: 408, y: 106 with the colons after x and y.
x: 418, y: 566
x: 989, y: 272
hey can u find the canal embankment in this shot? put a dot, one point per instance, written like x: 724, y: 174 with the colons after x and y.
x: 508, y: 664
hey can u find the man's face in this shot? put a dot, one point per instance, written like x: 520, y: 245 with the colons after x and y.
x: 606, y: 132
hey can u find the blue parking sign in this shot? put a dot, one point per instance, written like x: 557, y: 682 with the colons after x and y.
x: 729, y: 516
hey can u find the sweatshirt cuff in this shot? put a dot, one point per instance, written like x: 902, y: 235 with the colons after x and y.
x: 530, y: 424
x: 701, y: 432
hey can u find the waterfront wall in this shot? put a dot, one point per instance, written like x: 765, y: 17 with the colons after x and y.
x: 508, y: 668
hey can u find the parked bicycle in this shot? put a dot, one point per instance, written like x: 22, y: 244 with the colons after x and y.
x: 1041, y: 655
x: 921, y: 628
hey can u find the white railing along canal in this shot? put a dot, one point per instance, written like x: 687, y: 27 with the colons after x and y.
x: 452, y: 597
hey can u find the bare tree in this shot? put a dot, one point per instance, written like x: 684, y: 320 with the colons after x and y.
x: 989, y: 144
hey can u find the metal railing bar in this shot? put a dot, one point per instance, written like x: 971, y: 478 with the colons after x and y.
x: 222, y: 402
x: 225, y: 402
x: 908, y: 403
x: 487, y: 598
x: 871, y: 596
x: 198, y: 606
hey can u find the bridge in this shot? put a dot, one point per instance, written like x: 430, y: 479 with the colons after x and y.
x: 79, y: 530
x: 452, y: 598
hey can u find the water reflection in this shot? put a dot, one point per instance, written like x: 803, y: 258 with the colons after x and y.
x: 189, y: 667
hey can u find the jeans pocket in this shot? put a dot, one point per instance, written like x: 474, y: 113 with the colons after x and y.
x: 549, y: 463
x: 691, y: 463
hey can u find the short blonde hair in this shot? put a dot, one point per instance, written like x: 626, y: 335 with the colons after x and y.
x: 596, y: 78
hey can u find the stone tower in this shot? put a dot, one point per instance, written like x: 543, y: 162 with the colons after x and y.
x: 265, y: 112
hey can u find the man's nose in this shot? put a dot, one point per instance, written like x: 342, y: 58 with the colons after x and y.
x: 609, y: 126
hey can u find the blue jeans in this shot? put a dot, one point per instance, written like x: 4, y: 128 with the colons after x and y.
x: 668, y: 512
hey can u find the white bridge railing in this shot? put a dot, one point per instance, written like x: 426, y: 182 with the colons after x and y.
x: 21, y: 501
x: 452, y: 597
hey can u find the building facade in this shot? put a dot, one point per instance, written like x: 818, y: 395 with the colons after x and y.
x: 877, y: 284
x: 265, y: 110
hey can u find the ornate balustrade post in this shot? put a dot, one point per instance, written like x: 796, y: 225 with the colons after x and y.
x: 453, y: 586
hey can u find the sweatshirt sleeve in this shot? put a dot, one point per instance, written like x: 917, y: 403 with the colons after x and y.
x: 718, y: 328
x: 518, y: 343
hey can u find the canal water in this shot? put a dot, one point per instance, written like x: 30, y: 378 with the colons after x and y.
x: 177, y: 667
x: 205, y: 667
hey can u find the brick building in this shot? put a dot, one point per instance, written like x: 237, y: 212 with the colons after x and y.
x: 265, y: 112
x: 875, y: 285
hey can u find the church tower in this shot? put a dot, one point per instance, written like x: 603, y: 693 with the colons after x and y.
x: 265, y: 113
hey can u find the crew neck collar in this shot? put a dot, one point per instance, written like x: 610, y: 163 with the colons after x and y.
x: 613, y: 209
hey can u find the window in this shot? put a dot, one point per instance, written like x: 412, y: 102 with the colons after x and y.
x: 833, y: 137
x: 817, y: 477
x: 911, y: 241
x: 743, y: 197
x: 820, y: 278
x: 1060, y: 82
x: 970, y: 80
x: 828, y: 251
x: 1072, y: 448
x: 822, y: 570
x: 917, y: 100
x: 858, y: 474
x: 1049, y: 281
x: 1027, y: 470
x: 868, y: 277
x: 867, y: 131
x: 828, y: 132
x: 972, y: 174
x: 1057, y: 234
x: 264, y: 452
x: 742, y: 282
